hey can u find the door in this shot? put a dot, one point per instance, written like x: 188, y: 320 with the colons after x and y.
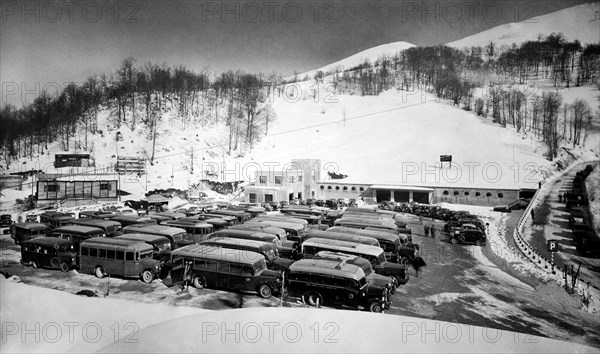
x: 421, y: 197
x: 400, y: 196
x: 268, y: 198
x: 252, y: 197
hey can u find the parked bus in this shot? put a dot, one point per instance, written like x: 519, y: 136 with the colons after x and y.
x: 170, y: 215
x: 277, y: 231
x: 160, y: 244
x: 230, y: 220
x: 176, y: 235
x: 196, y: 231
x: 366, y: 240
x: 26, y: 231
x: 110, y: 227
x: 334, y: 283
x: 77, y: 234
x: 363, y: 224
x: 268, y: 250
x: 113, y: 256
x: 373, y: 254
x: 284, y: 250
x: 365, y: 265
x: 55, y: 219
x: 235, y: 270
x: 48, y: 252
x: 127, y: 220
x: 239, y: 215
x: 253, y: 211
x: 292, y: 231
x: 283, y: 218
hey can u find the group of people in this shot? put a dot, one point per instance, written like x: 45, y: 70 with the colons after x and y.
x: 429, y: 229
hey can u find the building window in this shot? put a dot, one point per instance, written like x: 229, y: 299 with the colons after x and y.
x: 277, y: 179
x: 488, y: 194
x: 104, y: 186
x: 455, y: 192
x: 52, y: 188
x: 345, y: 188
x: 477, y: 194
x: 329, y: 187
x: 467, y: 194
x: 292, y: 179
x: 322, y: 187
x: 500, y: 195
x: 353, y: 189
x: 300, y: 178
x: 262, y: 179
x: 446, y: 193
x: 361, y: 189
x: 337, y: 188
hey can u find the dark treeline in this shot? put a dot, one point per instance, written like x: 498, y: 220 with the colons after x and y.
x: 139, y: 96
x: 500, y: 76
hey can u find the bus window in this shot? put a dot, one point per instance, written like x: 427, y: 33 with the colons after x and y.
x: 102, y: 253
x: 129, y: 256
x: 110, y: 254
x: 93, y: 252
x: 120, y: 255
x: 247, y: 270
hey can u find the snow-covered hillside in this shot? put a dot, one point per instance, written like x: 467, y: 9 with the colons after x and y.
x: 371, y: 54
x: 578, y: 22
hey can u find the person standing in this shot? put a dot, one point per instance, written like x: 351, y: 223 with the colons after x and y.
x: 432, y: 231
x: 426, y: 229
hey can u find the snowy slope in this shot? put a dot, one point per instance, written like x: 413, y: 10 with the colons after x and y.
x: 371, y: 54
x: 578, y: 22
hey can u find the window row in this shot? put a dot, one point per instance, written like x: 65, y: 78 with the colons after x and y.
x: 344, y: 188
x: 477, y: 194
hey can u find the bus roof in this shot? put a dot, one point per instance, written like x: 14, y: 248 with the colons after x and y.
x: 365, y: 222
x: 368, y: 240
x: 237, y: 241
x: 48, y: 241
x: 96, y: 222
x: 328, y: 267
x: 218, y: 254
x: 78, y: 229
x: 129, y: 245
x: 249, y: 233
x: 143, y: 237
x: 279, y: 224
x: 32, y: 226
x: 154, y: 229
x: 186, y: 223
x: 341, y: 246
x: 380, y: 235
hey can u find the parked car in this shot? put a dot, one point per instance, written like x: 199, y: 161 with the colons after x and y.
x: 5, y: 220
x: 467, y: 234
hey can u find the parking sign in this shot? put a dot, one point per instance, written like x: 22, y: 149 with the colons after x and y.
x: 552, y: 246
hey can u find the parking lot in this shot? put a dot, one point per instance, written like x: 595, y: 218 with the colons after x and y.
x: 459, y: 284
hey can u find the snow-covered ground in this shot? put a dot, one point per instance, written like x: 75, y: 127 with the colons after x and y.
x: 585, y: 28
x: 60, y: 326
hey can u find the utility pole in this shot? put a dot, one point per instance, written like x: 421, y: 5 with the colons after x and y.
x: 192, y: 169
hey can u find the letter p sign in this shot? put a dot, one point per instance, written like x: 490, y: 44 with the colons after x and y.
x: 552, y: 246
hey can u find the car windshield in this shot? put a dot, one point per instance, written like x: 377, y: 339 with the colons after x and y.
x: 271, y: 255
x: 380, y: 258
x: 179, y: 236
x: 146, y: 255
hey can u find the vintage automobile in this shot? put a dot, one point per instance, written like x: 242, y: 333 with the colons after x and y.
x: 49, y: 252
x: 467, y: 233
x: 5, y: 220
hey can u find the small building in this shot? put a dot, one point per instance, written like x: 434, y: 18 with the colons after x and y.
x: 57, y: 191
x: 71, y: 160
x: 155, y: 202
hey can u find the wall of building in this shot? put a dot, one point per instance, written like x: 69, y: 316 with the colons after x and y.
x: 474, y: 196
x: 338, y: 190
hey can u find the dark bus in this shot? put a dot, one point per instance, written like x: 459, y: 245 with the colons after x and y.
x: 229, y: 269
x: 26, y: 231
x: 239, y: 215
x: 342, y: 237
x: 110, y: 227
x: 268, y: 250
x: 113, y: 256
x: 196, y: 231
x: 77, y: 234
x: 55, y: 219
x: 334, y: 283
x: 365, y: 265
x: 127, y: 220
x: 230, y: 220
x: 373, y: 254
x: 284, y: 250
x: 176, y: 235
x: 49, y: 252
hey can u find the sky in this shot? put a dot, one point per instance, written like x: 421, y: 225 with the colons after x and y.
x: 45, y: 44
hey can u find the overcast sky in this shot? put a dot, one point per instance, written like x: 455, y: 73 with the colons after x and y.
x: 47, y: 42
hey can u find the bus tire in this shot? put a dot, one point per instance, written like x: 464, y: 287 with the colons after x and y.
x: 265, y: 291
x: 376, y: 307
x: 64, y: 267
x: 99, y: 272
x: 147, y: 276
x: 55, y: 262
x: 198, y: 283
